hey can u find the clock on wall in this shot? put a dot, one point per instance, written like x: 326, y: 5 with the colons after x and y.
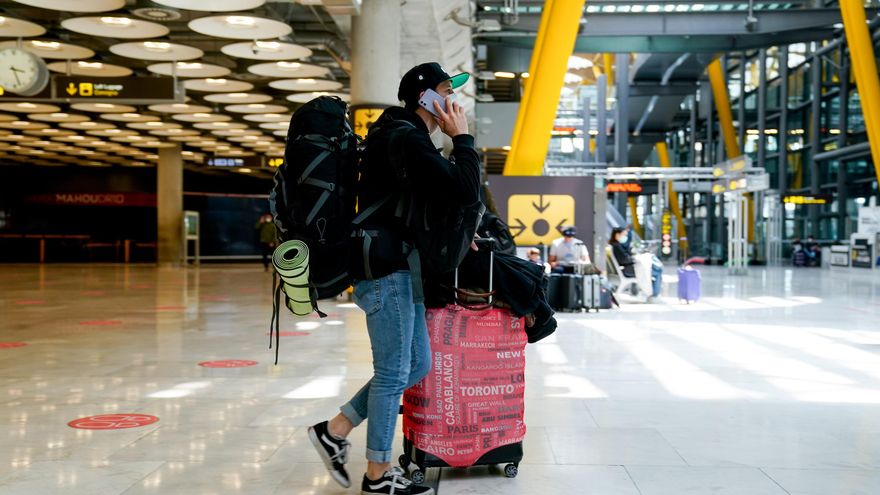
x: 22, y: 72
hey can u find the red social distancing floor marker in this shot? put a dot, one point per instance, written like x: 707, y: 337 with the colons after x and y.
x: 101, y: 323
x: 227, y: 363
x: 291, y: 334
x: 30, y: 302
x: 10, y: 345
x: 113, y: 421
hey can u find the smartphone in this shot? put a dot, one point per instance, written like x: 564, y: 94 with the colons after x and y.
x: 427, y: 101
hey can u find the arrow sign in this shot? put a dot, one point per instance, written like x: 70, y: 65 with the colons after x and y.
x: 561, y: 224
x: 71, y: 89
x: 518, y: 229
x: 541, y: 207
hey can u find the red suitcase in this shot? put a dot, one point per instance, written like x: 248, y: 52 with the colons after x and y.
x: 468, y: 410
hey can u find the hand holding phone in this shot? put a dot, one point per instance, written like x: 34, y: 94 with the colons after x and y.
x: 427, y: 101
x: 449, y: 115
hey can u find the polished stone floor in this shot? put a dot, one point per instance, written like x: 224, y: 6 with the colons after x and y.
x: 769, y: 385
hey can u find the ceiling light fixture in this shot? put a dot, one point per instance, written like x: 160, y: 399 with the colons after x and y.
x: 267, y: 46
x: 185, y: 65
x: 240, y: 21
x: 215, y: 81
x: 157, y: 46
x: 237, y: 95
x: 46, y: 45
x: 505, y: 75
x: 289, y: 65
x: 26, y: 105
x: 90, y: 65
x: 201, y: 115
x: 116, y: 21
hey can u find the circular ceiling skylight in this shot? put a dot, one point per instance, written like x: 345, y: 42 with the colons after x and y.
x: 240, y: 27
x: 266, y: 50
x: 115, y: 27
x: 189, y: 69
x: 156, y: 50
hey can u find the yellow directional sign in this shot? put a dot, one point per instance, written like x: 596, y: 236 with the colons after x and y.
x: 71, y: 89
x: 364, y: 118
x: 537, y: 218
x: 275, y: 162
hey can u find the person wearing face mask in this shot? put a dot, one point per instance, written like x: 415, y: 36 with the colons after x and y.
x: 388, y: 290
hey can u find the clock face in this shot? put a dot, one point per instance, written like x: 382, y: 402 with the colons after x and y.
x: 22, y: 72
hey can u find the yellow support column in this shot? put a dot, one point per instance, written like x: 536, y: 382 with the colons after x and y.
x: 861, y: 53
x: 634, y: 211
x: 537, y: 110
x: 722, y: 105
x: 663, y: 153
x: 608, y: 62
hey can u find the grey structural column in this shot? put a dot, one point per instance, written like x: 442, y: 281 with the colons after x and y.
x: 601, y: 119
x: 692, y: 162
x: 169, y: 206
x: 815, y: 123
x: 587, y: 113
x: 762, y: 108
x: 741, y: 104
x: 709, y: 154
x: 783, y: 122
x: 843, y: 118
x: 621, y: 124
x: 375, y: 46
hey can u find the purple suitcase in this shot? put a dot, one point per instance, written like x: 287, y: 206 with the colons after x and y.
x: 689, y: 284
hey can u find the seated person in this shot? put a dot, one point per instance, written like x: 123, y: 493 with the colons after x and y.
x: 633, y: 267
x: 798, y: 253
x: 568, y: 251
x: 812, y: 251
x: 621, y: 252
x: 534, y: 256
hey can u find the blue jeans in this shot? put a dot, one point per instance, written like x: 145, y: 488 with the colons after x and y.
x: 401, y: 357
x: 656, y: 278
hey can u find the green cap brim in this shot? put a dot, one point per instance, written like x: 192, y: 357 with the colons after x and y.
x: 459, y: 79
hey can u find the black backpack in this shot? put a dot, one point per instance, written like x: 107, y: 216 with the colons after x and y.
x: 313, y: 198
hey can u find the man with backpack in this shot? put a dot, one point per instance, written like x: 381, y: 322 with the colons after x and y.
x: 406, y: 188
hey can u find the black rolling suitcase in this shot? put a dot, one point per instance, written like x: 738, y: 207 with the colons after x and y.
x: 566, y: 292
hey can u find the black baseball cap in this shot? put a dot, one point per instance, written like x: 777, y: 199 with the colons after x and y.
x: 569, y: 230
x: 423, y: 77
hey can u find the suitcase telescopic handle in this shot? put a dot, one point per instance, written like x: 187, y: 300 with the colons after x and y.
x: 490, y: 242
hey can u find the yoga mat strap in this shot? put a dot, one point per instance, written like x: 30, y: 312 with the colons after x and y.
x: 415, y: 272
x: 312, y: 166
x: 371, y: 209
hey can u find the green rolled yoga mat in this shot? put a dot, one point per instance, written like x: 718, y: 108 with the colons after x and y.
x: 291, y: 260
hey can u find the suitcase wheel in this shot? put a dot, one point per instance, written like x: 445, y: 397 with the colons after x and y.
x: 511, y: 470
x: 417, y: 476
x: 403, y: 460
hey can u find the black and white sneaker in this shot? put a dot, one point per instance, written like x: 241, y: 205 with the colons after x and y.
x: 393, y: 483
x: 333, y: 452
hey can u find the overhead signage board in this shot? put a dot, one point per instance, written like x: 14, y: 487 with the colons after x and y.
x: 110, y: 88
x: 623, y: 187
x: 234, y: 161
x: 818, y: 199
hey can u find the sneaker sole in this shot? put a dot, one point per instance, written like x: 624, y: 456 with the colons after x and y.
x: 431, y: 492
x: 326, y: 458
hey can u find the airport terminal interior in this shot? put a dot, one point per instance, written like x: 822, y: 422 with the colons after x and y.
x: 692, y: 185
